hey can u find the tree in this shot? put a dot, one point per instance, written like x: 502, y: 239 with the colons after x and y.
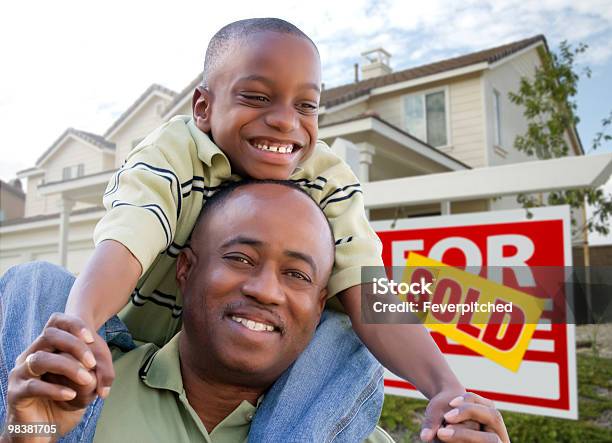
x: 550, y: 110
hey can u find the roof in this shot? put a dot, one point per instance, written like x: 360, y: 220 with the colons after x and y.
x: 153, y: 88
x: 188, y: 90
x: 375, y: 116
x: 12, y: 189
x: 335, y: 96
x: 94, y: 139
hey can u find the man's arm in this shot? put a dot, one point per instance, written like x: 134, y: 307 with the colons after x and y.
x: 408, y: 351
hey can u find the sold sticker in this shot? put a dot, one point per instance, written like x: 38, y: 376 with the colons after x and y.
x: 494, y: 320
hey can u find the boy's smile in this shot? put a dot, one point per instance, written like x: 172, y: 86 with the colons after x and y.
x: 261, y: 104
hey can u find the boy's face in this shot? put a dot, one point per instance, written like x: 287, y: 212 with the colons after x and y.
x: 261, y: 104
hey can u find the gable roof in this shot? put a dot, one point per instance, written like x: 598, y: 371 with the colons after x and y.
x: 153, y: 88
x: 341, y: 94
x: 186, y: 92
x: 94, y: 139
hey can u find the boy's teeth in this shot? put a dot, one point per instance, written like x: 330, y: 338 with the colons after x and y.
x: 283, y: 149
x: 253, y: 325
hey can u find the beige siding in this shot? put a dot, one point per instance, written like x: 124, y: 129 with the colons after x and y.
x: 466, y: 119
x: 505, y: 78
x: 467, y: 134
x: 71, y: 152
x: 389, y: 108
x: 343, y: 114
x: 35, y: 203
x: 137, y: 126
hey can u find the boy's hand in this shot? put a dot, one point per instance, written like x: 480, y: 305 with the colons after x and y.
x: 472, y: 408
x: 436, y: 408
x: 104, y: 370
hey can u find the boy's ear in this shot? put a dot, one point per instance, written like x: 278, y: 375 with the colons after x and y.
x: 201, y: 108
x: 185, y: 263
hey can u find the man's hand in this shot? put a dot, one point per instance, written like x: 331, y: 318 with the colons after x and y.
x: 436, y: 408
x: 470, y: 408
x: 60, y: 351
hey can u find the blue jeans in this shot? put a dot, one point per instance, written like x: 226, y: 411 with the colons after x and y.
x: 333, y: 392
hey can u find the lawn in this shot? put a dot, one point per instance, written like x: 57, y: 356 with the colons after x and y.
x: 401, y: 417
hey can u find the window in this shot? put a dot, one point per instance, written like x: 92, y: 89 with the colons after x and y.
x: 426, y: 117
x: 497, y: 118
x: 73, y: 171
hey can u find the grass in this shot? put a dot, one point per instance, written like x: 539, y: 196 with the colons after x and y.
x: 401, y: 417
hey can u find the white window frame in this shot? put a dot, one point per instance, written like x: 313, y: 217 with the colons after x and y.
x: 423, y: 93
x: 497, y: 129
x: 73, y: 171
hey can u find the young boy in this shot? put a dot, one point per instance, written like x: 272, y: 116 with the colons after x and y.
x: 255, y: 115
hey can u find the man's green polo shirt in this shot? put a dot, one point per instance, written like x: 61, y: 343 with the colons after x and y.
x: 148, y: 404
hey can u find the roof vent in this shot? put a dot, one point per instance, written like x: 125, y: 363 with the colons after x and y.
x: 375, y: 63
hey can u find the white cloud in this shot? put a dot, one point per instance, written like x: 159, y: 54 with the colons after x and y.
x: 73, y: 63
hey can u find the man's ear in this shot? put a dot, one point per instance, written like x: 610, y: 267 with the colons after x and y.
x: 185, y: 263
x: 322, y: 299
x: 200, y: 104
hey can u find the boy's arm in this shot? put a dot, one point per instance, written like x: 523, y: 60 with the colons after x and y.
x: 99, y: 292
x: 105, y: 285
x: 408, y: 351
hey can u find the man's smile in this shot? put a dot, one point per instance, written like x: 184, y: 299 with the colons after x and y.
x: 252, y: 324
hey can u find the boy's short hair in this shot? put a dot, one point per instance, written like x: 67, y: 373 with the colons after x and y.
x: 242, y: 29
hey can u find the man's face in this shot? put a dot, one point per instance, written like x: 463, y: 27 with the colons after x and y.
x: 255, y: 288
x: 261, y: 104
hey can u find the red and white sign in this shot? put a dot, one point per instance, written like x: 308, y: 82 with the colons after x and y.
x: 545, y: 383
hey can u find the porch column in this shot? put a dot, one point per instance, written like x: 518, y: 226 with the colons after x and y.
x: 65, y: 206
x: 445, y: 207
x: 366, y: 153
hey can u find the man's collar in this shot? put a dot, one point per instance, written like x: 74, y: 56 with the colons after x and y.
x: 162, y: 369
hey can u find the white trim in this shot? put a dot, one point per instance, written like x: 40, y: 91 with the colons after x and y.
x: 484, y: 82
x: 344, y: 105
x: 52, y: 221
x: 77, y: 183
x: 484, y: 183
x: 30, y: 172
x: 172, y: 111
x: 64, y: 139
x: 515, y: 55
x: 430, y: 78
x: 126, y: 118
x: 447, y: 111
x: 419, y: 147
x: 371, y: 124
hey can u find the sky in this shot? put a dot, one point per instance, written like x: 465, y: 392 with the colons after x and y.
x: 81, y: 63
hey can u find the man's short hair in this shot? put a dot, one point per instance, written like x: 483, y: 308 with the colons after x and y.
x: 239, y: 30
x: 222, y: 194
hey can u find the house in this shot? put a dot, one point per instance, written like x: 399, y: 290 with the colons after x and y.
x: 12, y: 200
x: 450, y: 115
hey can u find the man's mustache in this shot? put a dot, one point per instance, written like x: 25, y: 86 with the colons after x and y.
x: 255, y: 309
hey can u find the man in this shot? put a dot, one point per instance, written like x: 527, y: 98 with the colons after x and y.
x: 254, y: 285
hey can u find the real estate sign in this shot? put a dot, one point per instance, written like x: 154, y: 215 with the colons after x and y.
x: 528, y: 368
